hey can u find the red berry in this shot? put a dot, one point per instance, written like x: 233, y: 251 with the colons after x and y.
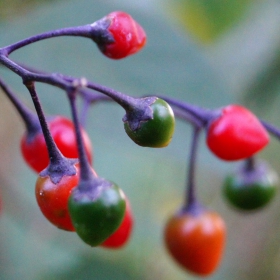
x: 121, y: 236
x: 236, y: 134
x: 129, y: 37
x: 62, y: 129
x: 196, y: 241
x: 53, y: 198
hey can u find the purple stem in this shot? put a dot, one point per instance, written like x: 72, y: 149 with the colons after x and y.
x: 190, y: 198
x: 66, y: 83
x: 85, y: 167
x: 54, y: 153
x: 82, y: 31
x: 199, y: 113
x: 30, y: 119
x: 249, y: 164
x: 187, y: 117
x: 127, y: 102
x: 84, y: 112
x: 271, y: 128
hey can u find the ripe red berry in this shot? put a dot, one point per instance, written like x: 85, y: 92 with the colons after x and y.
x: 121, y: 236
x: 129, y: 37
x: 236, y: 134
x: 53, y: 198
x: 35, y: 151
x: 196, y: 241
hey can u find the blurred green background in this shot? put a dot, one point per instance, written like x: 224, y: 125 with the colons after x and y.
x: 206, y: 52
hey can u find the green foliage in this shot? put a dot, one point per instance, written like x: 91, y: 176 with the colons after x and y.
x: 207, y: 19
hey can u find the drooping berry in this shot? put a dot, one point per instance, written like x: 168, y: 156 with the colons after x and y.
x: 236, y: 134
x: 251, y: 189
x: 34, y: 149
x: 53, y: 199
x: 196, y: 241
x: 155, y: 132
x: 121, y: 236
x: 97, y: 209
x: 122, y: 35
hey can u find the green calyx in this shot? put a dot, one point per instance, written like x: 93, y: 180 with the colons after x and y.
x: 156, y: 132
x: 98, y: 213
x: 250, y: 190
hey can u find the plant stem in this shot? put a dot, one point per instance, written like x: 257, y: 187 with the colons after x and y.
x: 63, y: 82
x: 190, y: 198
x: 199, y: 113
x: 127, y: 102
x: 187, y: 117
x: 54, y: 153
x: 271, y: 128
x: 86, y: 171
x: 249, y: 164
x: 82, y: 31
x: 30, y: 119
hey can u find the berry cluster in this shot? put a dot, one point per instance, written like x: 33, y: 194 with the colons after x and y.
x: 72, y: 196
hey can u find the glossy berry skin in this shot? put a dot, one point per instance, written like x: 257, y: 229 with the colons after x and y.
x: 196, y: 241
x: 236, y: 134
x: 53, y: 198
x: 35, y: 151
x: 121, y: 236
x: 250, y: 190
x: 129, y: 37
x: 156, y: 132
x: 97, y: 215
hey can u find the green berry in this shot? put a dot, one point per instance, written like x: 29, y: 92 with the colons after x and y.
x: 97, y: 214
x: 156, y: 132
x: 249, y: 190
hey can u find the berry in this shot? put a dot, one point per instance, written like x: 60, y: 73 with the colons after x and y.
x: 121, y: 236
x: 196, y: 241
x: 97, y: 212
x: 35, y: 151
x: 250, y: 189
x: 236, y: 134
x: 156, y: 132
x: 128, y: 37
x: 53, y: 198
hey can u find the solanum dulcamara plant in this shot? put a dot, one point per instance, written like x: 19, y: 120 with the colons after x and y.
x: 71, y: 195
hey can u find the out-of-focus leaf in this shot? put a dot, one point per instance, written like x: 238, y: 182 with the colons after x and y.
x: 207, y: 19
x: 248, y: 58
x: 11, y: 8
x: 262, y: 92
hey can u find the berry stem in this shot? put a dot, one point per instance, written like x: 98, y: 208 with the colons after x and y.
x: 127, y: 102
x: 249, y: 164
x: 190, y: 198
x: 86, y: 171
x: 30, y: 119
x: 84, y: 112
x: 59, y: 165
x: 87, y: 31
x: 196, y: 112
x: 187, y: 117
x: 271, y: 129
x: 54, y: 153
